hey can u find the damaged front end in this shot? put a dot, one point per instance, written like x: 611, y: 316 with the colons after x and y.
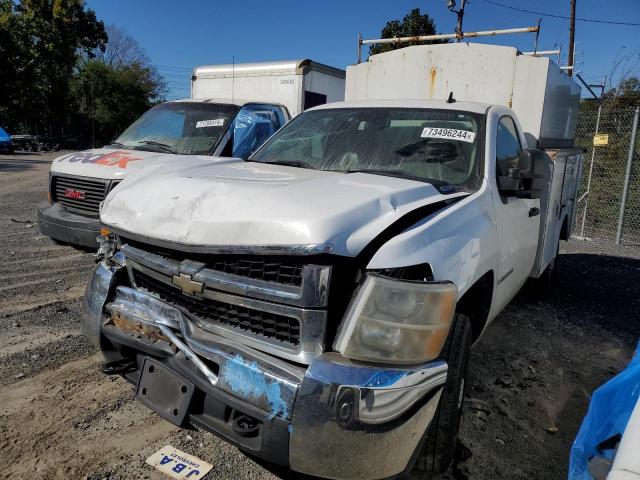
x: 327, y: 415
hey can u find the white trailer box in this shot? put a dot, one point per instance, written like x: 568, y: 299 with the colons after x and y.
x: 544, y: 98
x: 297, y: 84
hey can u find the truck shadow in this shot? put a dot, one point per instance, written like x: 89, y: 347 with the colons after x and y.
x: 533, y: 372
x: 600, y: 289
x: 10, y: 164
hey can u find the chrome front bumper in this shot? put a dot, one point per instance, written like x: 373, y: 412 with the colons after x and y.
x: 345, y: 420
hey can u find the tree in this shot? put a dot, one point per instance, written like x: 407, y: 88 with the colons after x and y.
x: 121, y: 49
x: 42, y: 40
x: 111, y: 92
x: 413, y: 24
x: 626, y: 94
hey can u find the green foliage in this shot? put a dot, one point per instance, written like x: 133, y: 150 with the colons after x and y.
x: 626, y: 94
x: 39, y: 44
x: 62, y: 74
x: 109, y: 98
x: 413, y: 24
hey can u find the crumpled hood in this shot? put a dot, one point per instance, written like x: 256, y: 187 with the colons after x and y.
x: 249, y: 204
x: 114, y: 164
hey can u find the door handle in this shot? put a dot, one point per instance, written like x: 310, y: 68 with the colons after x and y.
x: 533, y: 211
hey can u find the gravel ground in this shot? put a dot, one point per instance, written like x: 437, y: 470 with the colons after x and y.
x: 532, y: 372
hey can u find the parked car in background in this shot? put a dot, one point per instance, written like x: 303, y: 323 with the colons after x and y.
x: 169, y: 132
x: 6, y: 145
x: 316, y: 304
x: 25, y: 142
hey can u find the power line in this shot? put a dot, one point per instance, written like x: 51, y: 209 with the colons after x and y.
x: 592, y: 20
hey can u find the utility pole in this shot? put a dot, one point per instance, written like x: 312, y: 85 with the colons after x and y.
x: 451, y: 5
x: 572, y: 37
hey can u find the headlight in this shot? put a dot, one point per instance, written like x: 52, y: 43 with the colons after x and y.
x: 395, y: 321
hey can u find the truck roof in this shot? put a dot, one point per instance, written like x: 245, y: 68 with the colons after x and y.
x: 283, y: 66
x: 474, y: 107
x: 236, y: 101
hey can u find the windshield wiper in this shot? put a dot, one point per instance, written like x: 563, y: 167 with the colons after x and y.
x: 117, y: 144
x: 293, y: 163
x: 440, y: 185
x: 163, y: 146
x: 379, y: 171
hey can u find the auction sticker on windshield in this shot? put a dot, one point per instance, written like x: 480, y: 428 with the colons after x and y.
x: 449, y: 133
x: 178, y: 464
x: 218, y: 122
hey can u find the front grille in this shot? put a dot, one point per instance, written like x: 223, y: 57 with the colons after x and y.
x: 268, y: 271
x: 269, y: 325
x: 281, y: 270
x: 92, y: 191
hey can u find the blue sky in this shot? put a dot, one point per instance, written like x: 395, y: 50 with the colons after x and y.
x: 178, y: 35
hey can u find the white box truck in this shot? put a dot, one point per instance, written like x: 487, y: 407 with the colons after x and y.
x: 315, y: 305
x: 297, y: 84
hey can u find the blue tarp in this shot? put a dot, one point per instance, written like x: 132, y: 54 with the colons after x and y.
x: 609, y: 411
x: 250, y: 130
x: 4, y: 136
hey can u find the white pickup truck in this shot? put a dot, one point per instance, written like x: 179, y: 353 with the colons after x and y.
x: 315, y: 305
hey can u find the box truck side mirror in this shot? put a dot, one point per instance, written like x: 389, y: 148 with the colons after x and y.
x: 526, y: 179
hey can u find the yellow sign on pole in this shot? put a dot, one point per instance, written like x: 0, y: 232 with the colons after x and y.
x: 601, y: 139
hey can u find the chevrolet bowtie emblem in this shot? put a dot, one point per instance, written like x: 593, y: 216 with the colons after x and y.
x: 186, y: 284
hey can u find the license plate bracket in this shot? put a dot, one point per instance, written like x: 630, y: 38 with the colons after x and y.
x: 163, y: 391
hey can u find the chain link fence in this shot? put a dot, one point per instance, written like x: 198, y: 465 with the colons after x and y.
x: 604, y: 212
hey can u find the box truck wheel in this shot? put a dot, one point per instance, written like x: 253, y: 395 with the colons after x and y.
x: 442, y: 435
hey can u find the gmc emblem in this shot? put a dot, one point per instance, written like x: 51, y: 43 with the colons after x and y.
x: 75, y: 194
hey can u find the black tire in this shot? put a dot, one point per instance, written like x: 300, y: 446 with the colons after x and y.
x: 442, y: 436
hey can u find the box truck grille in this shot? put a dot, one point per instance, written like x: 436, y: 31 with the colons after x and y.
x: 268, y: 325
x: 80, y: 195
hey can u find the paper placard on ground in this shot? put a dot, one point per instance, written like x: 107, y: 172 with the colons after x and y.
x: 178, y: 464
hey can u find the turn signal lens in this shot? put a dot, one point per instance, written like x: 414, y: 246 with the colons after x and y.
x: 105, y: 232
x: 395, y: 321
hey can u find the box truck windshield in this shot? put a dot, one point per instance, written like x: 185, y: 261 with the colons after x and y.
x: 421, y: 144
x: 188, y: 128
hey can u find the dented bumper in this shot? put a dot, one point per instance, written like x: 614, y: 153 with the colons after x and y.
x: 334, y: 419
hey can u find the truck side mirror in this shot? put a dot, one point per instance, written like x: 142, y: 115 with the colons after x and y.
x: 526, y: 179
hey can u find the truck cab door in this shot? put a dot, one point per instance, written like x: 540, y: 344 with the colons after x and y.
x: 518, y: 219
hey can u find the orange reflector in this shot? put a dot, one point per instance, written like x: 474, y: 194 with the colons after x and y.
x: 49, y: 197
x: 105, y: 232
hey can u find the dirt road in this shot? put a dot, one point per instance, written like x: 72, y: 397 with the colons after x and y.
x: 61, y: 418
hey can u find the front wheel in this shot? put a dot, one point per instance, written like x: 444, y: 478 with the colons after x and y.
x: 442, y: 436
